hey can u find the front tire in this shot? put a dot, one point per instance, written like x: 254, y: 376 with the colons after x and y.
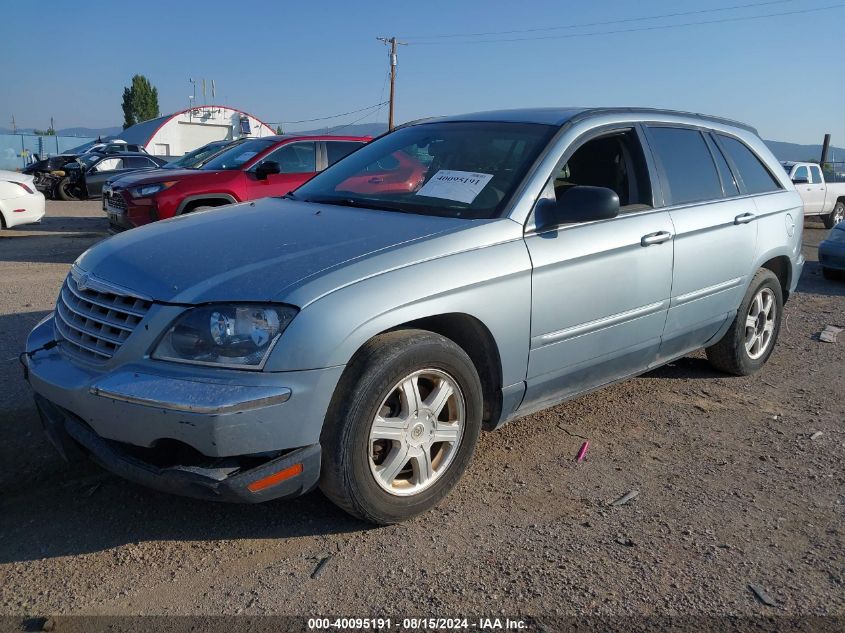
x: 749, y: 342
x: 834, y: 217
x: 67, y: 191
x: 402, y: 426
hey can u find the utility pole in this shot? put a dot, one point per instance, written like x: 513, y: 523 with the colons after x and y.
x: 14, y: 125
x: 393, y: 44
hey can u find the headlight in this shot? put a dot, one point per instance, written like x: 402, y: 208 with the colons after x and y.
x: 238, y: 336
x: 836, y: 235
x: 145, y: 191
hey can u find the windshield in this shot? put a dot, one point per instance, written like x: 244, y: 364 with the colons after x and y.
x: 193, y: 160
x: 234, y: 157
x: 454, y: 169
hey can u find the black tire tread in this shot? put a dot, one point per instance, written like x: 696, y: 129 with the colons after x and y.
x: 725, y: 355
x: 335, y: 480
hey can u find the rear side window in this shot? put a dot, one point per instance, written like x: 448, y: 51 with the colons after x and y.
x: 335, y: 150
x: 687, y: 165
x: 753, y: 173
x: 817, y: 175
x: 728, y: 180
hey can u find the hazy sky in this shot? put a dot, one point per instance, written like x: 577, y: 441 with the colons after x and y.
x: 286, y: 61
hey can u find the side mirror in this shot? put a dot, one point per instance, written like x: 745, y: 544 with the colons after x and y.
x: 578, y: 204
x: 800, y: 181
x: 267, y: 168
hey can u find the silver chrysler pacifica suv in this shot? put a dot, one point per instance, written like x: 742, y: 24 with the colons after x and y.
x: 450, y: 276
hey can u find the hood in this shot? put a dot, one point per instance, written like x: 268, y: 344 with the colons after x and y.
x: 257, y: 251
x: 144, y: 176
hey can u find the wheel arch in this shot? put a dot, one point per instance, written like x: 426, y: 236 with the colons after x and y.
x: 476, y: 339
x: 217, y: 200
x: 781, y: 266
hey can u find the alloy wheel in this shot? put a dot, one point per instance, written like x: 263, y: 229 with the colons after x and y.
x: 760, y: 323
x: 416, y: 433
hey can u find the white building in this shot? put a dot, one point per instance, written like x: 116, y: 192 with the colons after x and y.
x: 179, y: 133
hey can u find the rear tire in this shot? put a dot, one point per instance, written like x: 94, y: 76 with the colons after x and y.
x: 834, y: 217
x: 382, y: 460
x: 749, y: 342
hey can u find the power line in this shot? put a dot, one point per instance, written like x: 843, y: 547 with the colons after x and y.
x: 334, y: 116
x: 369, y: 114
x: 637, y: 29
x: 601, y: 23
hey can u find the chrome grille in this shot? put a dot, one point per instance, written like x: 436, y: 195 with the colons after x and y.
x: 92, y: 321
x: 115, y: 200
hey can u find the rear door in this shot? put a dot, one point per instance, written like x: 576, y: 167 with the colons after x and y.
x: 715, y: 235
x: 335, y: 150
x: 600, y: 290
x: 298, y: 163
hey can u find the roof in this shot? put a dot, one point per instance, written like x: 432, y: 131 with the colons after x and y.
x: 562, y: 116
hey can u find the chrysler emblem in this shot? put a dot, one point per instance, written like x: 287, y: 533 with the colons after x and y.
x: 82, y: 282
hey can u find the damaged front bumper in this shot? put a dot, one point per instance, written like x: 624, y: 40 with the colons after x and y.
x: 204, y: 432
x: 222, y: 479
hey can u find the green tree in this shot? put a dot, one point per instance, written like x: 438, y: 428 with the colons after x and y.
x: 140, y: 101
x: 279, y: 129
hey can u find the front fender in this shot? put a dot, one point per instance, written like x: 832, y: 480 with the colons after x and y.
x: 492, y: 284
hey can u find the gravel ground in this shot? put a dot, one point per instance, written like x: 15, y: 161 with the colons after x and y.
x: 740, y: 483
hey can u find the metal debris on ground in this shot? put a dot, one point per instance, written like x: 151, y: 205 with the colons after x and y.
x: 321, y: 566
x: 582, y: 452
x: 829, y: 333
x: 816, y: 435
x: 621, y: 501
x: 762, y: 596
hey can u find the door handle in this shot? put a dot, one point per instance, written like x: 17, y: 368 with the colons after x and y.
x: 744, y: 218
x: 655, y: 238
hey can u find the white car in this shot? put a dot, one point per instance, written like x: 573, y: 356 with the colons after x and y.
x: 20, y: 201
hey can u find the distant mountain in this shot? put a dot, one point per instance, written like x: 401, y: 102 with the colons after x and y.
x: 797, y: 152
x: 71, y: 131
x: 359, y: 129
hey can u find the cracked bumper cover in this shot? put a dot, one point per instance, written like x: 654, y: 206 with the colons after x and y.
x: 70, y: 435
x: 265, y: 418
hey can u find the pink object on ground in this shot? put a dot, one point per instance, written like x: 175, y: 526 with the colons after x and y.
x: 582, y: 451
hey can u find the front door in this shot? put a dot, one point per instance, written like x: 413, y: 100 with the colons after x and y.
x: 298, y: 163
x: 600, y: 290
x: 811, y: 195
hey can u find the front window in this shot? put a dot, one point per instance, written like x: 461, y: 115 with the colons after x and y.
x: 235, y: 157
x: 454, y: 169
x: 193, y: 160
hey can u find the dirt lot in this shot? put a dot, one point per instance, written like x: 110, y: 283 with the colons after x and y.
x: 732, y: 492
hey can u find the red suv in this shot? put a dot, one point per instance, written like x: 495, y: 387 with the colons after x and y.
x: 245, y: 170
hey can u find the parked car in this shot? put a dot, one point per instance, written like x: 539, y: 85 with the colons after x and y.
x: 20, y: 201
x: 252, y: 169
x: 832, y: 253
x: 116, y: 146
x: 191, y: 160
x: 84, y: 178
x: 826, y: 199
x: 44, y: 173
x: 360, y: 342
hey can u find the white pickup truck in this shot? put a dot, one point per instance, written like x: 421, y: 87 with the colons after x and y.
x: 826, y: 199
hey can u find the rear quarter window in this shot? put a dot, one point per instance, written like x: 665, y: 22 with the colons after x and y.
x: 752, y: 171
x: 689, y: 173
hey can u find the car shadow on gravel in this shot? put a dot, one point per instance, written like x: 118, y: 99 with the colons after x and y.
x: 812, y: 282
x: 81, y: 509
